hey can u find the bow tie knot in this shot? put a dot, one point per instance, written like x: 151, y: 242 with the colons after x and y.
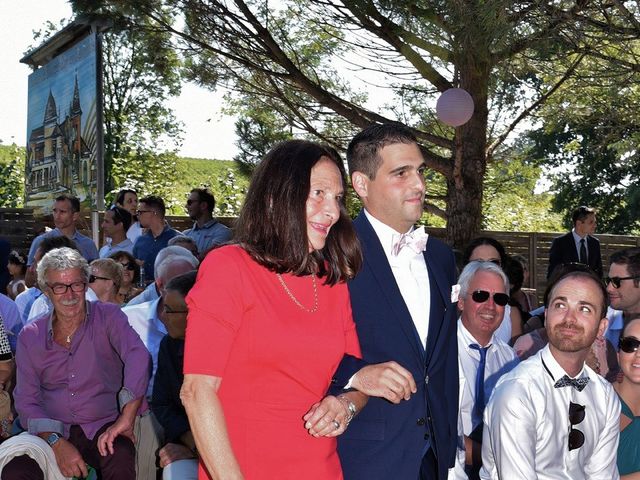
x: 415, y: 240
x: 577, y: 383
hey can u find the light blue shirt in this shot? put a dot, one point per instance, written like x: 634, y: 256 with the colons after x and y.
x: 144, y: 320
x: 85, y: 245
x: 576, y: 239
x: 147, y: 295
x: 107, y: 249
x: 209, y: 235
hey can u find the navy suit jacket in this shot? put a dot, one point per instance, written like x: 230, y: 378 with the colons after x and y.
x: 385, y: 440
x: 563, y: 250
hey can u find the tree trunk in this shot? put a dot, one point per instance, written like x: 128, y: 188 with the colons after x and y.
x: 464, y: 186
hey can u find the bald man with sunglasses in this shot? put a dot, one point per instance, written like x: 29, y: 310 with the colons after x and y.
x: 482, y: 356
x: 623, y: 289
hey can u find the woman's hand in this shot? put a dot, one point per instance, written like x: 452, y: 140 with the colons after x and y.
x: 327, y: 418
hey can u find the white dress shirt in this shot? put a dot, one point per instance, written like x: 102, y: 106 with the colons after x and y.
x: 501, y: 358
x: 145, y: 321
x: 526, y: 430
x: 411, y: 274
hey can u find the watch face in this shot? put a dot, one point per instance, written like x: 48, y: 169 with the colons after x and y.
x: 53, y: 438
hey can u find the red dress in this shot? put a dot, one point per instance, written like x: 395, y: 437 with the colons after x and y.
x: 275, y: 360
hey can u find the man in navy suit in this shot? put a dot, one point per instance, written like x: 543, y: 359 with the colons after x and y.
x: 579, y: 245
x: 401, y: 301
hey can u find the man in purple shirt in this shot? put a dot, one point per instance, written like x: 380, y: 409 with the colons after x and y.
x: 81, y: 378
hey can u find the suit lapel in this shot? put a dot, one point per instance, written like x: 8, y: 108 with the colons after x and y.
x: 440, y: 291
x: 377, y: 261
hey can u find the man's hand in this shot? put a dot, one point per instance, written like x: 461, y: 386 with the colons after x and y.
x: 172, y: 452
x: 387, y: 380
x: 121, y: 426
x: 69, y: 460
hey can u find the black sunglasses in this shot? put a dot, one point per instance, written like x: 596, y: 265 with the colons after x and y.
x: 615, y: 281
x: 629, y: 344
x: 481, y: 296
x: 93, y: 278
x: 576, y: 415
x: 128, y: 266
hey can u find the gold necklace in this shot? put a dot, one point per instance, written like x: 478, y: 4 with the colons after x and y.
x: 295, y: 300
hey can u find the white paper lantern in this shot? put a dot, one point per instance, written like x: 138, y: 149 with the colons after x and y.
x: 454, y: 107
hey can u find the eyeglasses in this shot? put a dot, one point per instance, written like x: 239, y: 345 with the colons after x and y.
x: 576, y: 415
x: 93, y: 278
x: 138, y: 212
x: 629, y: 344
x: 128, y: 266
x: 61, y: 288
x: 481, y: 296
x: 168, y: 310
x: 615, y: 281
x: 495, y: 261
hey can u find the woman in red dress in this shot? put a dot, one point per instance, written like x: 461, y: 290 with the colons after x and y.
x: 269, y: 321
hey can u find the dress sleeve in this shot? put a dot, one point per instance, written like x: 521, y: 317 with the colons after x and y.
x: 216, y: 306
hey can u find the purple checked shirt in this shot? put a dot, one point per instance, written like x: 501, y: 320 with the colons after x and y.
x: 57, y: 388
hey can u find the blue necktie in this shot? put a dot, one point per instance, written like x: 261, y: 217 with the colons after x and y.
x: 478, y: 407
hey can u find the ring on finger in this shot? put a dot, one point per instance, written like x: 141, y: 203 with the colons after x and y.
x: 336, y: 424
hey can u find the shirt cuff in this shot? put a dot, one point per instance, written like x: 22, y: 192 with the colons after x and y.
x: 39, y: 425
x: 348, y: 385
x: 125, y: 396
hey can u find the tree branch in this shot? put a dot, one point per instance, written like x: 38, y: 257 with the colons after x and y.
x: 525, y: 113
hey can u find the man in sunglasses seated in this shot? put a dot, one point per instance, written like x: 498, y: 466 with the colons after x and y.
x: 82, y: 372
x: 623, y: 288
x: 482, y: 356
x: 552, y: 416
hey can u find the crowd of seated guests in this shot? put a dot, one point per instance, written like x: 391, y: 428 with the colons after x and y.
x: 145, y: 269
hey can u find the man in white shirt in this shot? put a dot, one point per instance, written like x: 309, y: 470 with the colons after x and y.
x: 147, y: 320
x: 482, y: 356
x: 552, y: 417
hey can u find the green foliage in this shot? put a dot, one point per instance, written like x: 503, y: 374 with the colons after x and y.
x: 12, y: 160
x: 510, y: 202
x: 222, y: 177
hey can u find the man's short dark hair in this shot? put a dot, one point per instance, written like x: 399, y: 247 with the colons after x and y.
x: 49, y: 243
x: 363, y: 152
x: 182, y: 283
x: 576, y: 270
x: 272, y: 225
x: 629, y: 257
x: 580, y: 213
x: 120, y: 215
x: 205, y: 195
x: 155, y: 203
x: 73, y: 200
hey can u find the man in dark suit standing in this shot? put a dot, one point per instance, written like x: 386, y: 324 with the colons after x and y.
x: 401, y: 302
x: 579, y: 245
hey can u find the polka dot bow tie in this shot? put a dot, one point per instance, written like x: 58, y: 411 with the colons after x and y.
x: 415, y: 240
x: 577, y: 383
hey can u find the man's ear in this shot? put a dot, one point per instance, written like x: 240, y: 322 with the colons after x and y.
x: 360, y: 183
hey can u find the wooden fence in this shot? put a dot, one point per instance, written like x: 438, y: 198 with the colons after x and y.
x: 19, y: 227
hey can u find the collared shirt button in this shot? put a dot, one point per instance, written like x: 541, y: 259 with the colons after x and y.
x: 426, y: 379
